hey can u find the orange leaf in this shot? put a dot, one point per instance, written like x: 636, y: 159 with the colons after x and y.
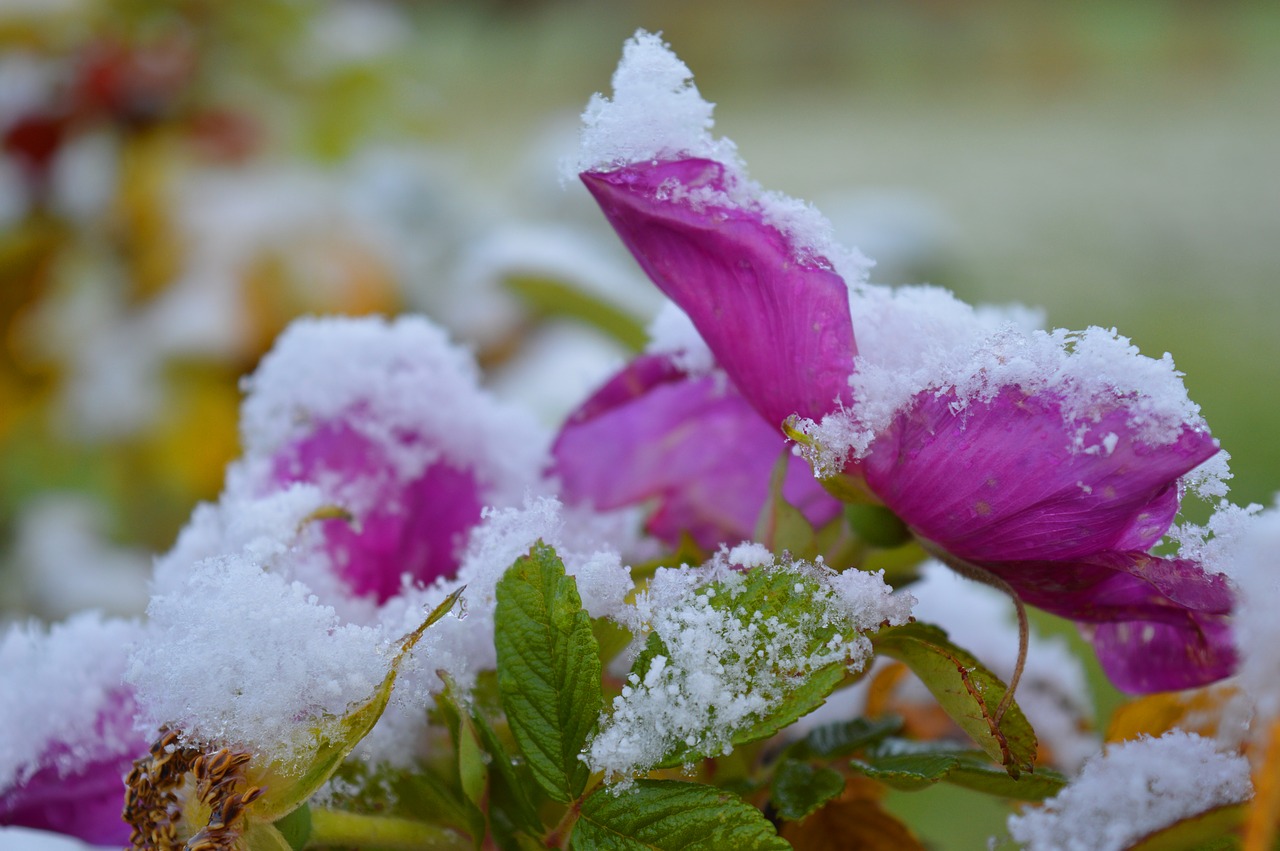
x: 853, y: 822
x: 1196, y: 711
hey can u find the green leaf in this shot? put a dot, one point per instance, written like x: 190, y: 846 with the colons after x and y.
x: 288, y: 788
x: 965, y: 689
x: 781, y: 526
x: 513, y: 793
x: 799, y: 788
x: 912, y: 766
x: 811, y: 693
x: 667, y: 815
x: 556, y: 298
x: 464, y: 796
x: 260, y: 836
x: 776, y: 608
x: 1213, y: 830
x: 296, y: 827
x: 426, y: 793
x: 877, y: 525
x: 548, y: 669
x: 845, y: 737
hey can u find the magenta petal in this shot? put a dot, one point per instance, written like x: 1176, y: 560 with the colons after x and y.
x: 415, y: 528
x: 1145, y: 657
x: 779, y: 328
x: 1118, y: 587
x: 999, y: 481
x: 692, y: 446
x: 86, y: 805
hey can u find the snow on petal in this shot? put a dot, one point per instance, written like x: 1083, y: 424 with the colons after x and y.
x: 388, y: 420
x: 1001, y: 479
x: 713, y: 249
x: 63, y: 690
x: 237, y: 655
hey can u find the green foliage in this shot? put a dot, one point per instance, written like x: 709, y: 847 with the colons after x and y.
x: 781, y: 526
x: 965, y: 689
x: 515, y: 779
x: 800, y: 788
x: 463, y: 797
x: 910, y: 766
x: 548, y: 669
x: 556, y: 298
x: 1212, y: 830
x: 768, y: 608
x: 296, y: 827
x: 668, y: 815
x: 844, y: 738
x: 877, y: 525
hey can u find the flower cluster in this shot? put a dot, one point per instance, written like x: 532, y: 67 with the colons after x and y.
x: 414, y: 617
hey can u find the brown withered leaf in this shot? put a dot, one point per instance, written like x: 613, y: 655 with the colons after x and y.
x: 853, y: 822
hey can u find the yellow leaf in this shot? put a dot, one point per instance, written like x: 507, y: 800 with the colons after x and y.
x: 1196, y: 711
x: 1260, y: 826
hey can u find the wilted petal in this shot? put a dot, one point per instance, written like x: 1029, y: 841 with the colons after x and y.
x: 692, y: 445
x: 1156, y: 623
x: 1143, y: 657
x: 779, y: 327
x: 1004, y: 480
x: 1118, y: 587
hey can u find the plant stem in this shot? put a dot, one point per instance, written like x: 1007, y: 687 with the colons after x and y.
x: 986, y: 577
x: 334, y: 827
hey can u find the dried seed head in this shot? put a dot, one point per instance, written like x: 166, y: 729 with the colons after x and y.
x: 165, y: 786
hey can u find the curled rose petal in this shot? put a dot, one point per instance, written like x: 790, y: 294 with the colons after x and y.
x: 779, y: 326
x: 1003, y: 480
x: 1143, y: 657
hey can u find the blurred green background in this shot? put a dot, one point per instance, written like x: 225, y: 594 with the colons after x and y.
x: 1115, y: 162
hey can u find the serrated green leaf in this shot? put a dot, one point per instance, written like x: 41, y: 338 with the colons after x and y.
x: 668, y: 815
x: 557, y: 298
x: 911, y: 766
x: 287, y: 788
x: 908, y: 772
x: 548, y: 669
x: 1213, y: 830
x: 780, y: 525
x: 808, y: 696
x: 800, y: 788
x: 980, y: 777
x: 776, y: 603
x: 845, y: 737
x: 965, y: 689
